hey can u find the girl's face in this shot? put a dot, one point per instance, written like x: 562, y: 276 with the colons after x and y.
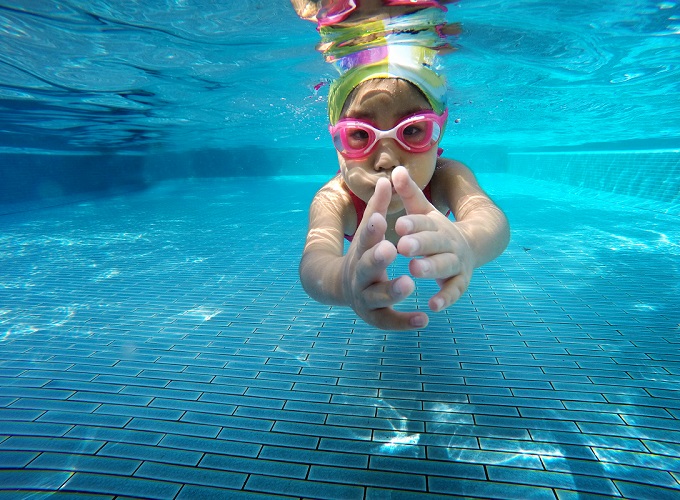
x: 385, y: 102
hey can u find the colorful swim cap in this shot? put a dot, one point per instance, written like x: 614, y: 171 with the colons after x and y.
x: 403, y: 40
x: 408, y: 63
x: 405, y: 46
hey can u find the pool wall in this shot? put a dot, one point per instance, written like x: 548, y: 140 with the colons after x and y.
x: 652, y: 174
x: 44, y: 179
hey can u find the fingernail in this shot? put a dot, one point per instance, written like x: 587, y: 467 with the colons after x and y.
x: 378, y: 256
x: 425, y: 267
x: 396, y: 289
x: 418, y: 321
x: 438, y: 304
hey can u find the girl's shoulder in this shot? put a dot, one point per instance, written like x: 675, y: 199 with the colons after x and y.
x: 447, y: 166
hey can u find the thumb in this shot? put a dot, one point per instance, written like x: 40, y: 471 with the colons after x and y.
x: 411, y: 195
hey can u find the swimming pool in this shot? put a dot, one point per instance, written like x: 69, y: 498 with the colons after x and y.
x: 155, y: 341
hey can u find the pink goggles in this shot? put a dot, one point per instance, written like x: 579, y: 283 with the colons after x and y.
x: 416, y: 133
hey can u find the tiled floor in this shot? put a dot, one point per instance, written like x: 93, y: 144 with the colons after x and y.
x: 159, y: 345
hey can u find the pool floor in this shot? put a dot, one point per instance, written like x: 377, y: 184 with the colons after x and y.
x: 159, y: 345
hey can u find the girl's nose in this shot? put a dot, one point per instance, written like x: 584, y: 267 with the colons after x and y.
x: 387, y: 155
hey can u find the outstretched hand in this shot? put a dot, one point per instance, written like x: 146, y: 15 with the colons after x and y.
x: 440, y: 250
x: 367, y: 288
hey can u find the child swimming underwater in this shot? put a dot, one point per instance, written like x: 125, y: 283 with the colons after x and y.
x: 392, y: 195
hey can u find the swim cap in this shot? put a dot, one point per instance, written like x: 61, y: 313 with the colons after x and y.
x: 405, y: 46
x: 408, y: 63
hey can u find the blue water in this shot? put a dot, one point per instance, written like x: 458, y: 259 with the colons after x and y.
x: 192, y: 74
x: 157, y: 160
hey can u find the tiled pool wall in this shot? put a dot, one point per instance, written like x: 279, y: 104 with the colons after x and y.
x: 651, y: 174
x: 28, y: 178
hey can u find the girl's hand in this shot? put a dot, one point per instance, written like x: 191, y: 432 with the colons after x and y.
x: 366, y: 287
x: 427, y: 233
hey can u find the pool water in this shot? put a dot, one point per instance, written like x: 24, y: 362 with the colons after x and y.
x: 156, y: 169
x: 159, y: 345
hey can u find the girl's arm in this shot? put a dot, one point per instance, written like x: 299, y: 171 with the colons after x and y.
x: 321, y: 263
x: 482, y: 223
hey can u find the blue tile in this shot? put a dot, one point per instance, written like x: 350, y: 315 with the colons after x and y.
x: 180, y: 406
x: 79, y: 418
x: 397, y: 423
x: 610, y: 470
x: 316, y: 457
x: 75, y: 385
x: 33, y: 480
x: 122, y: 486
x: 567, y: 481
x: 647, y: 492
x: 649, y: 460
x: 192, y: 492
x: 368, y: 478
x: 282, y: 415
x: 227, y: 421
x: 7, y: 401
x: 527, y: 423
x: 308, y: 489
x: 152, y: 453
x: 217, y: 446
x: 115, y: 435
x: 9, y: 414
x: 191, y: 475
x: 15, y: 459
x: 254, y: 466
x: 576, y: 416
x: 372, y: 448
x: 339, y: 409
x: 118, y: 399
x: 487, y: 489
x: 428, y: 467
x: 228, y: 399
x: 274, y: 438
x: 260, y: 392
x: 29, y: 392
x: 484, y: 457
x: 322, y: 430
x: 587, y: 439
x: 169, y: 427
x: 84, y: 463
x: 161, y: 393
x: 527, y: 402
x: 31, y: 443
x: 538, y: 448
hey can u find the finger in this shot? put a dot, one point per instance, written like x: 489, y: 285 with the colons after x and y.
x: 371, y: 231
x: 380, y: 200
x: 389, y: 319
x: 372, y: 265
x: 426, y: 243
x: 387, y: 293
x: 373, y: 225
x: 439, y: 266
x: 451, y: 290
x: 415, y: 223
x: 412, y: 197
